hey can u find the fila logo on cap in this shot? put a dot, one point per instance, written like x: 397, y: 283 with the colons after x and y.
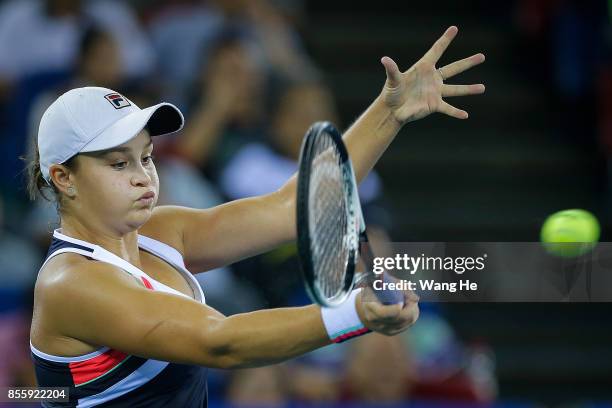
x: 118, y: 101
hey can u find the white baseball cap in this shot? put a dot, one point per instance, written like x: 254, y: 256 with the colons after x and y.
x: 90, y: 119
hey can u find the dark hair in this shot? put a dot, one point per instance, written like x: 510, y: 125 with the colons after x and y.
x: 231, y: 35
x: 90, y: 37
x: 36, y: 183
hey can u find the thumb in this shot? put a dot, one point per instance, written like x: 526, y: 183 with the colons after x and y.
x: 392, y: 71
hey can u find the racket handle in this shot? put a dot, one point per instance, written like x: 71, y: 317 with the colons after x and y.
x: 388, y: 296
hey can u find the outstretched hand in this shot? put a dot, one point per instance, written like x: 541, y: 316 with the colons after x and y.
x: 418, y: 92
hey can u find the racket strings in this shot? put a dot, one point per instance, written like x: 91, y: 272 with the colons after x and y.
x: 328, y: 224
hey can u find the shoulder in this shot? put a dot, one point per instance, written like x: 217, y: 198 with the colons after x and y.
x: 167, y: 225
x: 73, y: 274
x: 68, y: 283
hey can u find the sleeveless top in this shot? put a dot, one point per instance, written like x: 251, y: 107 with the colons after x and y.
x: 111, y: 378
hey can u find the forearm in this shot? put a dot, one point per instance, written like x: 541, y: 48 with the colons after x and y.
x: 270, y: 336
x: 368, y: 138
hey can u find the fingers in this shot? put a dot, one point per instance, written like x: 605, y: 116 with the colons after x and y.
x: 461, y: 90
x: 436, y: 51
x: 450, y: 110
x: 392, y: 71
x: 457, y: 67
x: 383, y: 313
x: 391, y: 319
x: 406, y: 318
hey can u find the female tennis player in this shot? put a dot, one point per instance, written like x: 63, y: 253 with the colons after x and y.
x: 117, y: 317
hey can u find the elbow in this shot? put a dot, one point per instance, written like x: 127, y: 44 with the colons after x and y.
x: 219, y: 351
x: 226, y: 357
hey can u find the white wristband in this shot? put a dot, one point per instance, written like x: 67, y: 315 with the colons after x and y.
x: 342, y: 323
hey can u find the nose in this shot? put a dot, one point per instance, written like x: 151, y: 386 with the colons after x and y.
x: 140, y: 177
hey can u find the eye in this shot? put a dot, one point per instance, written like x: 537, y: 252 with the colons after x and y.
x: 148, y: 159
x: 119, y: 165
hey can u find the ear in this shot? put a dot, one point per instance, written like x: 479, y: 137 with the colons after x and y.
x: 62, y: 177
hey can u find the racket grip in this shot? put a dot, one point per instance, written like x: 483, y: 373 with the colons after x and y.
x: 388, y: 296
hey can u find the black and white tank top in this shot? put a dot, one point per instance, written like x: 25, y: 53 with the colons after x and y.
x: 109, y: 377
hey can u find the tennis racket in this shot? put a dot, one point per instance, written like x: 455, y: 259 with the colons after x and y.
x: 331, y: 230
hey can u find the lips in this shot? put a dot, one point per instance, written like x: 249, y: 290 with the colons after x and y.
x: 148, y: 194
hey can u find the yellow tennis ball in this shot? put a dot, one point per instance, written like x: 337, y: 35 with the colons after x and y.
x: 570, y: 233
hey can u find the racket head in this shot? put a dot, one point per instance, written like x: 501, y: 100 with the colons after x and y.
x: 327, y: 227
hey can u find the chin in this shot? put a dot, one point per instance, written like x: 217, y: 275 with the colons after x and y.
x: 138, y: 220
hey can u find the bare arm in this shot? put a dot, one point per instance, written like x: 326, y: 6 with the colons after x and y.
x: 173, y: 328
x: 221, y: 235
x: 247, y: 227
x: 170, y: 327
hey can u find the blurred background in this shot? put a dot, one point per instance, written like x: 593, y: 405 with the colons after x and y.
x: 251, y: 76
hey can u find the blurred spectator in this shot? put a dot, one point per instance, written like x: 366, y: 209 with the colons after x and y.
x: 267, y: 32
x: 577, y: 45
x: 259, y: 387
x: 380, y: 369
x: 577, y: 53
x: 264, y: 166
x: 19, y: 262
x: 227, y: 107
x: 447, y: 369
x: 98, y: 63
x: 316, y: 378
x: 183, y: 35
x: 99, y: 60
x: 18, y: 267
x: 16, y: 368
x: 575, y: 49
x: 43, y: 35
x: 569, y: 39
x: 272, y: 25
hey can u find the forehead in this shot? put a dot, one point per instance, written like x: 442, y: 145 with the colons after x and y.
x: 142, y: 139
x: 135, y: 145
